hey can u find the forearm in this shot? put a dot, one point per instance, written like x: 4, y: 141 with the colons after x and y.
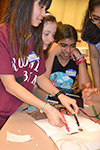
x: 94, y: 61
x: 53, y: 51
x: 17, y: 90
x: 83, y: 76
x: 95, y: 72
x: 49, y: 64
x: 46, y: 85
x: 65, y: 100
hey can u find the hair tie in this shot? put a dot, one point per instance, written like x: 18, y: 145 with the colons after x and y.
x: 48, y: 14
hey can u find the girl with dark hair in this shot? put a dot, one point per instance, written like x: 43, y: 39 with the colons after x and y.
x: 69, y: 63
x: 22, y: 62
x: 91, y: 34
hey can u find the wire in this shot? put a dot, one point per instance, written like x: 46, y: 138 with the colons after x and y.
x: 95, y: 116
x: 65, y: 111
x: 95, y: 112
x: 89, y: 116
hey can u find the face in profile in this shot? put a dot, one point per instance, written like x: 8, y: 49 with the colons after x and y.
x: 49, y: 31
x: 95, y: 16
x: 38, y: 13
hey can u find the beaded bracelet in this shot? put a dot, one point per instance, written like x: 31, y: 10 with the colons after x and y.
x: 79, y: 58
x: 78, y: 62
x: 44, y: 106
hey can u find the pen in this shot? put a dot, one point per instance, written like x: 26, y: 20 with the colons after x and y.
x: 77, y: 122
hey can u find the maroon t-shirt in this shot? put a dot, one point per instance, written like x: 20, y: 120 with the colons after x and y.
x: 24, y: 70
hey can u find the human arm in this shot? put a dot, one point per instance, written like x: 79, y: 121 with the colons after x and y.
x: 83, y: 75
x: 17, y: 90
x: 53, y: 51
x: 94, y: 61
x: 46, y: 85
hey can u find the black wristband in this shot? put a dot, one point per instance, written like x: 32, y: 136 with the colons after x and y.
x: 60, y: 92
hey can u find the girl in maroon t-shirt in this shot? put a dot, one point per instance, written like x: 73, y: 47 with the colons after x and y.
x: 22, y: 63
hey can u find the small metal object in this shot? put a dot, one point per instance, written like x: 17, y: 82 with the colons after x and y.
x: 80, y: 129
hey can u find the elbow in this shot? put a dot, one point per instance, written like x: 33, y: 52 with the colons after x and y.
x: 8, y: 89
x: 82, y: 87
x: 8, y: 82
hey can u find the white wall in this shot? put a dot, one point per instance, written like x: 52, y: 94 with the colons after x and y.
x: 69, y: 11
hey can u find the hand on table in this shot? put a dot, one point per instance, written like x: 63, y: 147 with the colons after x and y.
x: 67, y: 101
x: 55, y: 117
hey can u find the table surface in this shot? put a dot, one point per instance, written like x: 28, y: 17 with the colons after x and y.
x: 21, y: 123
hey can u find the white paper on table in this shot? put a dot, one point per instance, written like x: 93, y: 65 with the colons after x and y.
x: 60, y: 138
x: 90, y: 136
x: 49, y: 129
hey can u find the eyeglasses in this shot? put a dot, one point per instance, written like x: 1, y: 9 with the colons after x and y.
x: 94, y: 19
